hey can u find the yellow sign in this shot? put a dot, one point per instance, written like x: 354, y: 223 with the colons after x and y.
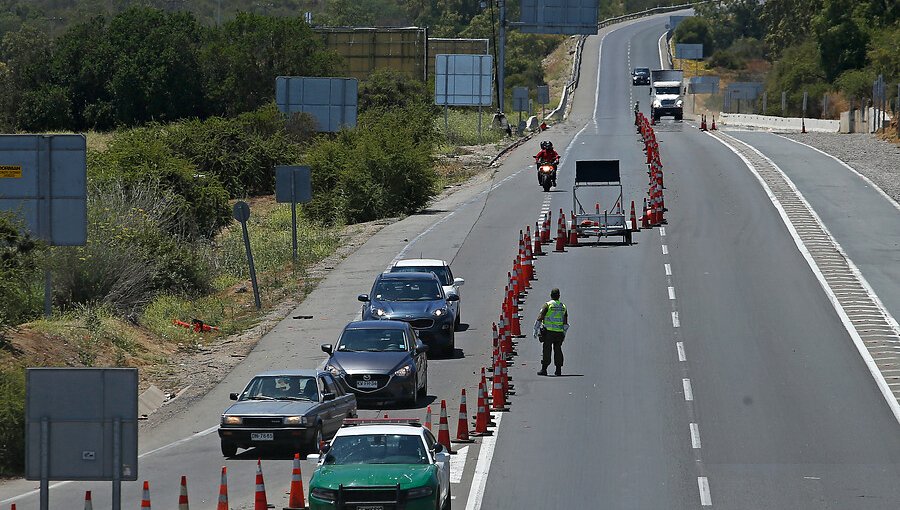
x: 10, y: 172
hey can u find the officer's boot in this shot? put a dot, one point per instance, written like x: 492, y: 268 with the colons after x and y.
x: 543, y: 370
x: 558, y: 370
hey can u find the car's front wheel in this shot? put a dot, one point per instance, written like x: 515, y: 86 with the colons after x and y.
x: 316, y: 442
x: 446, y: 505
x: 450, y: 349
x: 229, y: 449
x: 423, y: 391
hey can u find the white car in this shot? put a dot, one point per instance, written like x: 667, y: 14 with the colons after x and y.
x: 442, y: 270
x: 381, y: 463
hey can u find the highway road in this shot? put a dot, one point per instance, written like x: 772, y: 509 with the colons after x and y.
x: 706, y: 366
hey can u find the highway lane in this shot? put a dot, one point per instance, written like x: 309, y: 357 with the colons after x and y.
x: 786, y: 413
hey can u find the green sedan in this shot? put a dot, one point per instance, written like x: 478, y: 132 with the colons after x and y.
x: 381, y: 464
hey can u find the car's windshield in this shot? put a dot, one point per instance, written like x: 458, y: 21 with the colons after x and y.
x: 440, y: 271
x: 407, y: 290
x: 668, y: 90
x: 642, y: 71
x: 281, y: 387
x: 374, y: 340
x: 377, y: 449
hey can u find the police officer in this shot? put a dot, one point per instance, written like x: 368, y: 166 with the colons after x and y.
x: 554, y: 319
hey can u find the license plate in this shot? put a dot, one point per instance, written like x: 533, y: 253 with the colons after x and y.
x: 262, y: 436
x: 367, y: 385
x: 369, y: 507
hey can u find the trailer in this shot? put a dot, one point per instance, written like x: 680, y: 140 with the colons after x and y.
x: 603, y: 177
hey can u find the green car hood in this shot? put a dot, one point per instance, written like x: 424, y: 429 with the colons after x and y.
x: 359, y: 475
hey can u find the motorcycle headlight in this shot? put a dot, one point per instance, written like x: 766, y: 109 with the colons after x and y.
x: 403, y: 371
x: 419, y: 492
x: 440, y: 312
x: 231, y: 420
x: 324, y: 494
x: 335, y: 371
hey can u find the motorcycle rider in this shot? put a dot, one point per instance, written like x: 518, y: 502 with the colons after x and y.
x: 548, y: 155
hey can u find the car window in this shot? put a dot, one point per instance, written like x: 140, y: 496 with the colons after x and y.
x: 330, y: 386
x: 280, y: 387
x: 377, y: 449
x: 442, y: 272
x: 407, y: 290
x: 372, y: 340
x: 668, y: 90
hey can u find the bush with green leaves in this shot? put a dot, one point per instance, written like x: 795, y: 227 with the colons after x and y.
x: 20, y: 297
x: 695, y: 30
x: 12, y: 420
x: 386, y: 88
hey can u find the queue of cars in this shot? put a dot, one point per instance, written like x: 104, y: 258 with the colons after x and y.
x: 412, y: 310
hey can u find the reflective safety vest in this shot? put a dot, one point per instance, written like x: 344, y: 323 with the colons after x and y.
x: 553, y: 319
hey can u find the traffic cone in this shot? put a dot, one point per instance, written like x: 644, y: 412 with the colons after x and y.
x: 297, y: 499
x: 145, y: 498
x: 259, y: 502
x: 560, y: 236
x: 713, y: 128
x: 645, y: 216
x: 88, y: 504
x: 529, y: 257
x: 428, y: 417
x: 546, y: 238
x: 498, y: 398
x: 495, y: 338
x: 183, y: 495
x: 634, y: 225
x: 462, y: 426
x: 703, y: 122
x: 481, y: 418
x: 802, y: 125
x: 223, y: 491
x: 573, y: 233
x: 515, y: 325
x: 444, y: 428
x: 537, y: 240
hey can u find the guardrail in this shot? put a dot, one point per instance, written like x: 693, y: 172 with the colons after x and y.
x: 792, y: 124
x: 649, y: 12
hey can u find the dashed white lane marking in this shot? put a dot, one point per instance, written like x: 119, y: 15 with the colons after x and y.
x: 668, y: 269
x: 458, y: 464
x: 688, y: 391
x: 679, y: 346
x: 671, y: 293
x: 485, y: 455
x: 662, y: 231
x: 695, y: 435
x: 675, y: 322
x: 665, y: 249
x: 703, y: 483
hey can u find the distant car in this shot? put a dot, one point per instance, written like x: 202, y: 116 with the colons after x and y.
x: 380, y: 360
x: 441, y: 269
x: 416, y: 298
x: 294, y: 409
x: 381, y: 463
x: 640, y: 76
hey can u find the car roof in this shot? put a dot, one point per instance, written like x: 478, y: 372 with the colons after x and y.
x: 362, y: 430
x: 409, y: 276
x: 377, y: 324
x: 642, y: 69
x: 308, y: 372
x: 421, y: 262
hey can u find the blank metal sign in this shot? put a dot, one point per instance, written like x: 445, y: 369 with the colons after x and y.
x: 568, y: 17
x: 543, y: 94
x: 463, y: 80
x: 332, y: 101
x: 689, y: 51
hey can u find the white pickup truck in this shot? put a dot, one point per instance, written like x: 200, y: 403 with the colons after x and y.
x: 665, y: 92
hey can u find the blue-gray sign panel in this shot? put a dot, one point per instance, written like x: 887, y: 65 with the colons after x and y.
x: 744, y: 90
x: 463, y: 80
x: 568, y: 17
x: 689, y: 51
x: 520, y: 99
x: 49, y: 189
x: 331, y: 101
x: 302, y: 184
x: 703, y: 85
x: 543, y: 94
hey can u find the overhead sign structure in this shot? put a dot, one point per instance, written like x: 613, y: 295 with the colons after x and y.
x: 689, y: 51
x: 569, y: 17
x: 463, y: 80
x: 44, y: 181
x: 331, y: 101
x: 81, y: 424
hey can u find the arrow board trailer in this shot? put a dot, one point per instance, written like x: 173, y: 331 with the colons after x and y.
x: 601, y: 177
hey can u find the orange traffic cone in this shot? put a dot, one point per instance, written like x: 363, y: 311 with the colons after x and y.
x: 713, y: 128
x: 573, y: 233
x: 183, y: 495
x: 444, y: 428
x: 645, y: 216
x: 560, y: 236
x: 259, y: 502
x: 145, y: 498
x: 537, y: 240
x: 481, y: 418
x: 703, y: 122
x: 428, y: 417
x: 498, y: 398
x: 546, y: 234
x: 297, y: 500
x: 88, y: 504
x: 634, y: 225
x: 462, y: 426
x: 223, y: 491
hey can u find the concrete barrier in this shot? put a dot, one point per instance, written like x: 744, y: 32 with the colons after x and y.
x: 793, y: 124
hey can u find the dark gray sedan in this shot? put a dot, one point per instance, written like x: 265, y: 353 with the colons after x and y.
x: 293, y: 409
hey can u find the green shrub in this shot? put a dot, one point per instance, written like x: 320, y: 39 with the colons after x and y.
x: 20, y: 297
x: 695, y: 30
x: 12, y: 420
x: 386, y: 88
x: 856, y: 83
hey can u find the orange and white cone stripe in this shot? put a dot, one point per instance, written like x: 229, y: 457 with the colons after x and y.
x: 145, y: 497
x: 183, y: 495
x: 297, y: 499
x: 223, y: 491
x: 259, y: 501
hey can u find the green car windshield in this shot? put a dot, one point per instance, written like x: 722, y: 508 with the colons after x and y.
x: 373, y: 340
x: 377, y: 449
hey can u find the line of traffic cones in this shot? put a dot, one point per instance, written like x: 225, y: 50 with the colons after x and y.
x: 654, y: 209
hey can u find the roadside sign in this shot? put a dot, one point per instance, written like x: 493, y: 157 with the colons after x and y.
x: 689, y: 51
x: 568, y: 17
x: 520, y: 99
x: 543, y: 94
x: 331, y: 101
x: 293, y: 184
x: 463, y: 80
x: 10, y: 171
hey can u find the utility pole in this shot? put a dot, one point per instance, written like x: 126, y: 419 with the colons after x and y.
x: 501, y: 59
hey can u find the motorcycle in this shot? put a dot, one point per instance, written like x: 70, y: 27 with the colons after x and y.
x: 547, y: 174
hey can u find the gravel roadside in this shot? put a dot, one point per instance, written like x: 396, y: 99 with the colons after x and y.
x: 876, y: 159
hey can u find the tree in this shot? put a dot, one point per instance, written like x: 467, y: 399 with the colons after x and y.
x: 386, y: 88
x: 18, y: 267
x: 695, y: 30
x: 787, y: 22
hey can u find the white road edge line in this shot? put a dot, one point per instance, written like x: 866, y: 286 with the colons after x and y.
x: 703, y: 483
x: 880, y: 381
x: 679, y: 346
x: 695, y: 436
x: 483, y: 466
x: 688, y: 391
x: 675, y: 322
x: 458, y: 464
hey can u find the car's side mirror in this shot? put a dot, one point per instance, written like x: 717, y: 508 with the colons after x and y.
x: 327, y: 348
x: 233, y: 396
x: 363, y: 297
x: 453, y: 297
x: 313, y: 457
x: 421, y: 348
x: 458, y: 282
x: 328, y: 396
x: 438, y: 448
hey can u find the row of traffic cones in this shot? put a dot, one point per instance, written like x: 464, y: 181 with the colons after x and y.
x: 703, y: 123
x: 654, y: 205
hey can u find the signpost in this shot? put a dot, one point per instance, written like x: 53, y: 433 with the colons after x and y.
x: 293, y: 184
x: 543, y: 98
x: 520, y: 103
x: 331, y: 101
x: 242, y: 214
x: 463, y: 80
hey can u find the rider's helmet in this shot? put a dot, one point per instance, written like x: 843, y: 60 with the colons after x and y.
x: 547, y: 145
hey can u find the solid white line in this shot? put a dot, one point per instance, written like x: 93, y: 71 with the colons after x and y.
x: 662, y: 61
x: 703, y: 483
x: 671, y: 293
x: 679, y: 346
x: 668, y: 270
x: 675, y: 322
x: 458, y: 464
x: 665, y: 249
x: 483, y: 466
x: 695, y: 435
x: 688, y: 391
x: 662, y: 231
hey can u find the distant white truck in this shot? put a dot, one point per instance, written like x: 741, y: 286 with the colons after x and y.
x: 665, y: 92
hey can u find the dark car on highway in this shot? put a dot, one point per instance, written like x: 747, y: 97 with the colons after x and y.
x: 293, y: 409
x: 416, y: 298
x: 640, y: 76
x: 380, y: 360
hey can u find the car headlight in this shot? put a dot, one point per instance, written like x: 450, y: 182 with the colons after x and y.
x: 419, y: 492
x: 657, y: 104
x: 379, y: 312
x: 231, y: 420
x: 679, y: 102
x: 403, y: 371
x: 296, y: 420
x: 324, y: 494
x: 335, y: 371
x: 440, y: 312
